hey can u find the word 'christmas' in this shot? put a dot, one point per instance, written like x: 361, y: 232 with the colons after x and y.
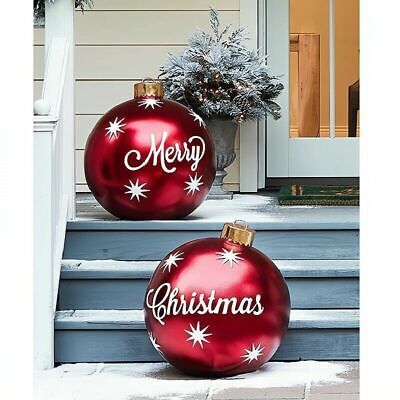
x: 192, y: 151
x: 165, y: 301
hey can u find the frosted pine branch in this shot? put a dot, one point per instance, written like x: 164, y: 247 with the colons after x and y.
x: 217, y: 76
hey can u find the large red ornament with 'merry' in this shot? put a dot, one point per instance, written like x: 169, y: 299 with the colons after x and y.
x: 149, y: 158
x: 217, y: 306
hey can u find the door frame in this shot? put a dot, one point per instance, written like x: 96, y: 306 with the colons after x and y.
x: 252, y: 145
x: 298, y: 157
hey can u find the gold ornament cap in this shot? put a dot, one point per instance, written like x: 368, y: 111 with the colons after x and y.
x: 148, y: 87
x: 238, y: 232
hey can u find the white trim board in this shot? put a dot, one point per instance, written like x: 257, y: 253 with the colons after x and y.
x: 249, y: 130
x: 278, y: 62
x: 262, y: 43
x: 325, y: 153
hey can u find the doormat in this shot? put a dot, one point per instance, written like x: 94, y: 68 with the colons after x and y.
x: 310, y: 195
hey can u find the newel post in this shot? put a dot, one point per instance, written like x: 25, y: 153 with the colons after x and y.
x: 43, y: 327
x: 60, y: 23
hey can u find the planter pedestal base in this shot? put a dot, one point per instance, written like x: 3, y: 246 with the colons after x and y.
x: 218, y: 192
x: 223, y: 133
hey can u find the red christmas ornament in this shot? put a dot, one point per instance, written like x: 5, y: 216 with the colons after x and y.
x: 217, y: 306
x: 149, y: 158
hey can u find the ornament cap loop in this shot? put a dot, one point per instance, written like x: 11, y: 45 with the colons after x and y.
x: 238, y: 232
x: 148, y: 87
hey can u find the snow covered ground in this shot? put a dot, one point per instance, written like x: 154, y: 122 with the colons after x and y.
x: 257, y: 210
x: 309, y: 380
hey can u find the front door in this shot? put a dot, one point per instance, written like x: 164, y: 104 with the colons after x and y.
x: 314, y: 47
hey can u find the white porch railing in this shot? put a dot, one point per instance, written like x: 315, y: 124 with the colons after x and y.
x: 53, y: 174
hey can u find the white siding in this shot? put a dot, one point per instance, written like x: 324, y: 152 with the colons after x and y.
x: 121, y: 41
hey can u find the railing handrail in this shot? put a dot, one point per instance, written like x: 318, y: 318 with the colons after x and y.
x: 54, y: 81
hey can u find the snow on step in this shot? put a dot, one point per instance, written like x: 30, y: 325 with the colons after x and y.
x: 95, y: 319
x: 260, y: 211
x: 134, y: 319
x: 160, y: 380
x: 307, y: 319
x: 81, y: 269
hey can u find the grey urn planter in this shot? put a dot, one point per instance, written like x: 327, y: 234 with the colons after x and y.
x: 223, y: 133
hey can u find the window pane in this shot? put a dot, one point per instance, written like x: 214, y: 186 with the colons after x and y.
x: 347, y: 49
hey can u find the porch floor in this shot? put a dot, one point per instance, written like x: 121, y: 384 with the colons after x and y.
x: 259, y: 210
x: 306, y: 380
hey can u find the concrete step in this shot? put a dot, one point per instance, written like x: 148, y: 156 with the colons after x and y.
x: 120, y: 336
x: 110, y: 284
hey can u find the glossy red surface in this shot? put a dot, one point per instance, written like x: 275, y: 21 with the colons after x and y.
x: 237, y: 341
x: 149, y: 158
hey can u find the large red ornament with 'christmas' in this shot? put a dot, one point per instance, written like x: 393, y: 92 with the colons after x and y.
x: 149, y: 158
x: 217, y: 306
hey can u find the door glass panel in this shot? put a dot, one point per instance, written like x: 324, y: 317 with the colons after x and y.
x: 347, y: 86
x: 309, y: 68
x: 309, y: 73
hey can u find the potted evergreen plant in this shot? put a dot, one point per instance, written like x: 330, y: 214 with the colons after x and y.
x: 225, y: 84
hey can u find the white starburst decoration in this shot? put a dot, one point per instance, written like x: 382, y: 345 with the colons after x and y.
x: 197, y: 334
x: 193, y: 184
x: 150, y: 102
x: 253, y: 353
x: 197, y: 118
x: 154, y: 343
x: 115, y: 128
x: 229, y: 256
x: 172, y: 260
x: 136, y: 190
